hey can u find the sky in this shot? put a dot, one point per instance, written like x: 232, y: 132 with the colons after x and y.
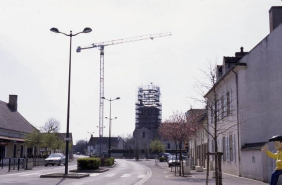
x: 34, y: 61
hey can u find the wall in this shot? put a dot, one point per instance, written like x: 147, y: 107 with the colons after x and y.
x: 260, y: 89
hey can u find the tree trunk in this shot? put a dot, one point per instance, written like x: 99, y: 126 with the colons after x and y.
x: 180, y: 158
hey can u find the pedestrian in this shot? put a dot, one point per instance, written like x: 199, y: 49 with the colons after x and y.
x: 278, y: 156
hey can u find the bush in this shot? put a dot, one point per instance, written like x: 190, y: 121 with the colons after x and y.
x: 110, y: 161
x: 88, y: 163
x: 161, y: 159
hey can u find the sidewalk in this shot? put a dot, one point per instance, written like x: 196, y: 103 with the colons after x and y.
x: 227, y: 178
x: 162, y: 174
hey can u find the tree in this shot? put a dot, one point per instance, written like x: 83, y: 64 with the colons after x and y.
x: 179, y: 128
x: 34, y: 139
x: 81, y: 146
x: 156, y: 145
x: 52, y: 125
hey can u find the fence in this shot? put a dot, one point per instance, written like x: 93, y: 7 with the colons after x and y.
x: 20, y: 163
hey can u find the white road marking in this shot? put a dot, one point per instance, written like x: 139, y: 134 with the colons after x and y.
x: 29, y: 174
x: 126, y: 175
x: 95, y: 174
x: 110, y: 175
x: 141, y: 176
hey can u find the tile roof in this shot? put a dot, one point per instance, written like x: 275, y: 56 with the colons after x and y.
x: 13, y: 120
x: 104, y: 140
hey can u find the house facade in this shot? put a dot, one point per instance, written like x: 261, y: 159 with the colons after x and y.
x: 97, y: 145
x: 13, y: 128
x: 249, y: 106
x: 198, y: 145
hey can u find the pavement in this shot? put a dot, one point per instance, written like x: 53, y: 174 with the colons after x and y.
x: 162, y: 174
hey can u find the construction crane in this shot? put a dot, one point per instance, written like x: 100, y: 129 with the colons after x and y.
x: 101, y: 46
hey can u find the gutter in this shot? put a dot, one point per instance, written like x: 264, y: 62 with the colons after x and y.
x: 238, y: 133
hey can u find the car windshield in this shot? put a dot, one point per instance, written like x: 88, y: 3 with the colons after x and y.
x: 55, y: 155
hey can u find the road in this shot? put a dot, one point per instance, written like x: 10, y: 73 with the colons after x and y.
x: 126, y: 172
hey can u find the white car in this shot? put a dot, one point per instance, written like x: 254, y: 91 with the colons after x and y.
x: 55, y: 158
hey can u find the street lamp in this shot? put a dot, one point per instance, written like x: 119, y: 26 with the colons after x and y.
x: 110, y: 121
x: 55, y: 30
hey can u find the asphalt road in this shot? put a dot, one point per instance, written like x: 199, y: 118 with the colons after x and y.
x: 126, y: 172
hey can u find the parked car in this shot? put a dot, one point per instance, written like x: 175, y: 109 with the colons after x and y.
x: 77, y: 153
x: 56, y: 158
x: 172, y: 161
x: 166, y: 155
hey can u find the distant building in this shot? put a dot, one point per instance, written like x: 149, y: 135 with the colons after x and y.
x: 95, y: 146
x: 13, y: 127
x: 148, y: 116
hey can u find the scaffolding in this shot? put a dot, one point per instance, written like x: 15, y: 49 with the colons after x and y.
x: 148, y: 107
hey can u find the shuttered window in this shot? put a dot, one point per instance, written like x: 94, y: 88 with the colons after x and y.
x: 234, y: 149
x: 224, y: 148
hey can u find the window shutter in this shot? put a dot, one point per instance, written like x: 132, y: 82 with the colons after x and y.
x: 234, y: 150
x: 226, y: 148
x: 231, y: 100
x: 223, y: 146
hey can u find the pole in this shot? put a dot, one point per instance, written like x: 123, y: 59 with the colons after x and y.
x: 68, y: 112
x: 110, y: 124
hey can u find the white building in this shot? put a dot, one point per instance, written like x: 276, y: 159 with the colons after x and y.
x: 249, y: 89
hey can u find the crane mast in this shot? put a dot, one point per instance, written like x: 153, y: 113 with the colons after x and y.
x: 101, y: 46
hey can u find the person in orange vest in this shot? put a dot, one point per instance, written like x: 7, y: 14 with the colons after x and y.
x: 278, y: 156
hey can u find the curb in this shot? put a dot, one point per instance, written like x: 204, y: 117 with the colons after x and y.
x: 62, y: 175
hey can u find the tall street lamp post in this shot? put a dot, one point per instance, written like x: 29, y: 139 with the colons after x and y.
x: 110, y: 121
x: 55, y: 30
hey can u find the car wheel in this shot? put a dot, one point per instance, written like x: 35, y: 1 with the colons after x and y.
x: 46, y: 164
x: 59, y: 164
x: 53, y: 164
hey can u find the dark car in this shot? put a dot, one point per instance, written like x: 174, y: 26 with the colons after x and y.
x: 166, y: 155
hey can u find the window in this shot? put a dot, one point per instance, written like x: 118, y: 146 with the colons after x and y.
x: 233, y: 148
x: 168, y: 145
x: 2, y: 151
x: 143, y: 135
x: 15, y: 151
x: 228, y: 103
x: 21, y: 151
x: 222, y: 107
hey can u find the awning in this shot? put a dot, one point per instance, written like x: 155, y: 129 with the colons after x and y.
x: 11, y: 138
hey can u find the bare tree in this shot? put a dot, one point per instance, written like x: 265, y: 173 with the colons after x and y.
x: 52, y: 125
x: 219, y: 106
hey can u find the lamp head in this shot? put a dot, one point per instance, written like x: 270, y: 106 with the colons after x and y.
x: 87, y: 30
x: 115, y: 117
x: 103, y: 97
x: 55, y: 30
x: 78, y: 49
x: 106, y: 117
x: 117, y: 98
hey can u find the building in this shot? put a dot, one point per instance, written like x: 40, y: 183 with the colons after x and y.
x: 148, y: 116
x: 249, y: 86
x: 13, y: 128
x: 198, y: 146
x: 96, y: 146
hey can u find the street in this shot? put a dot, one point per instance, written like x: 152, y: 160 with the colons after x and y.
x: 125, y: 172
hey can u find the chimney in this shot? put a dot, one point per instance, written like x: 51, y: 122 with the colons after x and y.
x: 275, y: 17
x: 13, y: 102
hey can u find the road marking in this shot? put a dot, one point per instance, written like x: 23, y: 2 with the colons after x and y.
x: 14, y: 174
x: 110, y: 175
x: 28, y: 174
x: 141, y: 176
x: 95, y: 174
x: 148, y: 175
x: 126, y: 175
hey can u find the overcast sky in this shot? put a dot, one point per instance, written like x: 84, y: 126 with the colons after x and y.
x: 34, y: 61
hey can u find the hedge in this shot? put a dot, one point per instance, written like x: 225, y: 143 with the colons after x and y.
x: 88, y: 163
x: 161, y: 159
x: 109, y: 161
